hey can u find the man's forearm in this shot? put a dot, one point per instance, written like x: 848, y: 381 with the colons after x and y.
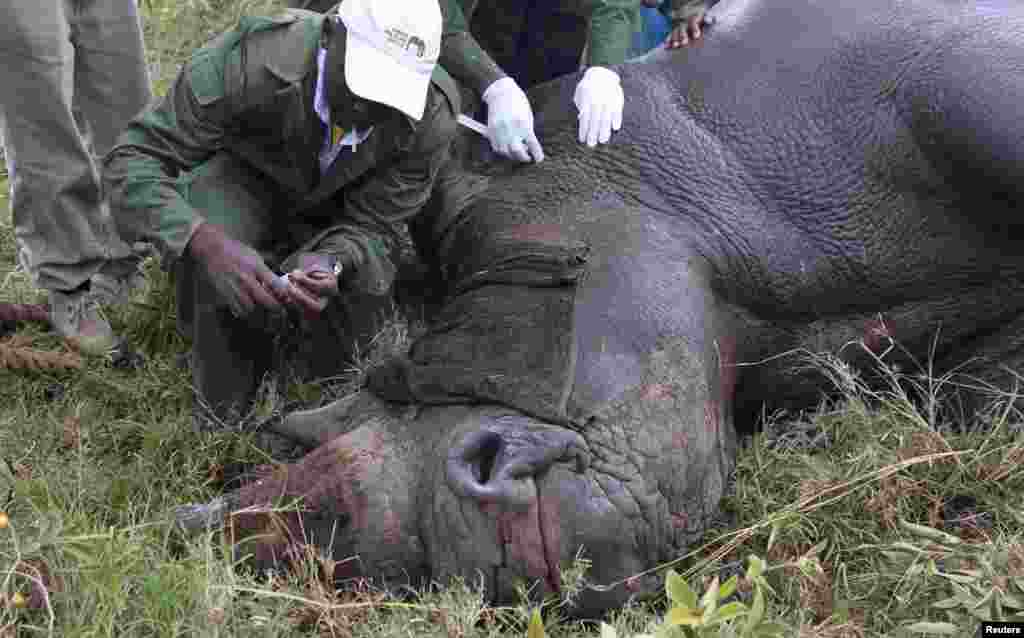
x: 140, y: 173
x: 468, y: 63
x: 612, y: 26
x: 145, y: 203
x: 461, y: 55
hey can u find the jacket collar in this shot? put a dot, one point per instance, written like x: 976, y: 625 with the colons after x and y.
x: 296, y: 58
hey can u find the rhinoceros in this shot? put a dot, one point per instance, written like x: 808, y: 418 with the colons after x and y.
x: 812, y: 173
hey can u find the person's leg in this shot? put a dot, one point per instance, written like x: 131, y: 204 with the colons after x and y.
x: 229, y: 355
x: 343, y: 332
x: 550, y: 44
x: 497, y: 26
x: 54, y: 183
x: 529, y: 42
x: 111, y: 80
x: 111, y: 86
x: 327, y: 344
x: 563, y: 36
x: 55, y: 191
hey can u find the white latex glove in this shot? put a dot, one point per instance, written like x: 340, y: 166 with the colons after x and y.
x: 600, y: 100
x: 510, y: 121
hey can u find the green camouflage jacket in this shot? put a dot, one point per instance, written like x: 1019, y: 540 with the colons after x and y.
x: 249, y: 93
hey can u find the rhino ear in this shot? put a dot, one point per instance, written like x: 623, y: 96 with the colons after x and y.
x: 316, y: 427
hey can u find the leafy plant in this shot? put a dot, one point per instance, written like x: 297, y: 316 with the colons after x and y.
x: 707, y: 616
x: 984, y: 581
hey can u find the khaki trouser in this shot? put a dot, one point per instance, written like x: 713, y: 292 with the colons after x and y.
x: 230, y: 355
x: 62, y: 60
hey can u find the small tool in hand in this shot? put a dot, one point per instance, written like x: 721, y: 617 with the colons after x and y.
x: 316, y: 274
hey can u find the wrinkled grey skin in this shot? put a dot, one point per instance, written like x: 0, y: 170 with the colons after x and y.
x: 811, y: 173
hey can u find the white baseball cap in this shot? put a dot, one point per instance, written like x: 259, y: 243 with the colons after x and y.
x: 391, y: 49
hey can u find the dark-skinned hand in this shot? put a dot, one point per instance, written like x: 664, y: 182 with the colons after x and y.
x: 686, y: 32
x: 313, y: 284
x: 237, y: 272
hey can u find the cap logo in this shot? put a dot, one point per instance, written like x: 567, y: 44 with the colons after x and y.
x: 419, y: 44
x: 392, y: 47
x: 403, y: 41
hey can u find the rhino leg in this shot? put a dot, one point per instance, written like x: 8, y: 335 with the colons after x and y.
x: 935, y: 336
x: 990, y: 367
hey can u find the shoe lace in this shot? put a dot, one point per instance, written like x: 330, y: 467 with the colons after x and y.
x: 81, y: 307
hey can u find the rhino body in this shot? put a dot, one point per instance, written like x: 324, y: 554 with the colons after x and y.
x: 810, y: 174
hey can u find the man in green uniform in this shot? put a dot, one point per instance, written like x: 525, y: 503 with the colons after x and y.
x: 72, y: 73
x: 300, y: 142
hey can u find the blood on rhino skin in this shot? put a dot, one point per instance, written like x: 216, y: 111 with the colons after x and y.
x: 809, y: 174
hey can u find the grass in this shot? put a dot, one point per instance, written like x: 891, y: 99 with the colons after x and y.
x: 97, y: 456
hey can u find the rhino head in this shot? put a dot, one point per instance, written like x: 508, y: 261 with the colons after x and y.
x: 566, y: 416
x: 481, y: 492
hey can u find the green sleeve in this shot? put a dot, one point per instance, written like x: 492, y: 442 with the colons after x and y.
x: 612, y: 25
x: 171, y: 137
x: 680, y: 10
x: 461, y: 54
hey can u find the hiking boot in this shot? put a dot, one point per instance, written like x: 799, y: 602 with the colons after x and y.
x: 117, y: 282
x: 76, y: 316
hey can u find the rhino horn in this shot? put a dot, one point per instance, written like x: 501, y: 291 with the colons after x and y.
x: 316, y: 427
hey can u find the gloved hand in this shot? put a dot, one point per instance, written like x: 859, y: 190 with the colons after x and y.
x: 237, y: 272
x: 510, y: 121
x: 600, y: 100
x: 314, y: 281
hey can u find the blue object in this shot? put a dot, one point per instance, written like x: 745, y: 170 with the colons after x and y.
x: 653, y: 32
